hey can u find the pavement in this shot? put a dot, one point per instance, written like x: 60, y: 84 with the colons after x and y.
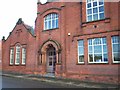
x: 78, y: 83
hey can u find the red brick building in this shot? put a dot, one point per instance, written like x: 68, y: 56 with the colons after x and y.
x: 0, y: 55
x: 71, y: 40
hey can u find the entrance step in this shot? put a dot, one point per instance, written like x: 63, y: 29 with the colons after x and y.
x: 49, y: 75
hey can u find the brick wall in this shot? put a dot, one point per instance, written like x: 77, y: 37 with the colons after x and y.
x: 72, y: 20
x: 0, y: 54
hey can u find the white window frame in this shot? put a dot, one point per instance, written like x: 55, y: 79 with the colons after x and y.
x: 23, y: 56
x: 97, y: 53
x: 18, y: 47
x: 78, y: 51
x: 91, y: 1
x: 115, y: 52
x: 11, y: 56
x: 49, y: 18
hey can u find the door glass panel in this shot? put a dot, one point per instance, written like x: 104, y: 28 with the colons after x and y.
x: 50, y: 61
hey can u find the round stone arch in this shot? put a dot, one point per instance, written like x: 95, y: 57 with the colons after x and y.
x: 43, y: 49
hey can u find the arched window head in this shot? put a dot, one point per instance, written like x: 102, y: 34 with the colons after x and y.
x: 51, y: 21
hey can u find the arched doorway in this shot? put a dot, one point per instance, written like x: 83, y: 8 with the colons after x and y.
x: 51, y: 59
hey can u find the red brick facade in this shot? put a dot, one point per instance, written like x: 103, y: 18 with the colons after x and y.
x: 0, y: 55
x: 72, y: 26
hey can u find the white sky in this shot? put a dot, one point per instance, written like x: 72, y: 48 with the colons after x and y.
x: 12, y: 10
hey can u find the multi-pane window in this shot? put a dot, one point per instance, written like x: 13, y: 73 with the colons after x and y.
x: 51, y: 21
x: 116, y: 49
x: 23, y: 55
x: 97, y: 50
x: 94, y: 10
x: 11, y: 56
x: 80, y: 51
x: 17, y: 60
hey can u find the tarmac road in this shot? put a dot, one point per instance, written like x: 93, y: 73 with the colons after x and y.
x: 10, y: 82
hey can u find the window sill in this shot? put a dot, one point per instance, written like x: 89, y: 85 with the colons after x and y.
x: 106, y: 20
x: 116, y: 63
x: 97, y: 62
x: 80, y: 63
x: 23, y: 64
x: 49, y: 29
x: 16, y: 64
x: 58, y: 63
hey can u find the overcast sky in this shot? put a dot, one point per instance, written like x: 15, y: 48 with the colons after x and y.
x: 12, y: 10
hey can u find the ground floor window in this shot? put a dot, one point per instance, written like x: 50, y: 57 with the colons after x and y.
x: 23, y: 55
x: 116, y: 49
x: 18, y: 52
x: 17, y: 59
x: 80, y: 51
x: 97, y: 50
x: 11, y: 56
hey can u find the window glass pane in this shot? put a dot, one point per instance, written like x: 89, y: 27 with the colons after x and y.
x: 56, y: 23
x: 90, y: 18
x: 95, y: 10
x: 90, y: 58
x: 98, y: 57
x: 95, y: 17
x: 53, y: 23
x: 89, y: 11
x: 17, y: 54
x: 101, y: 9
x: 105, y: 57
x: 80, y: 42
x: 90, y: 49
x: 101, y: 15
x: 115, y: 39
x: 53, y: 16
x: 45, y: 25
x: 104, y: 40
x: 81, y: 58
x: 88, y: 0
x: 49, y: 17
x: 11, y: 56
x: 90, y: 41
x: 116, y: 56
x: 101, y: 2
x: 50, y: 62
x: 97, y: 41
x: 104, y: 48
x: 115, y: 47
x: 94, y: 4
x: 81, y: 50
x: 49, y: 25
x: 88, y: 5
x: 23, y: 55
x: 98, y: 49
x: 56, y: 16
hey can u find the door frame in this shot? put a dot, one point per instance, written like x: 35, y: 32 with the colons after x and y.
x: 50, y: 54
